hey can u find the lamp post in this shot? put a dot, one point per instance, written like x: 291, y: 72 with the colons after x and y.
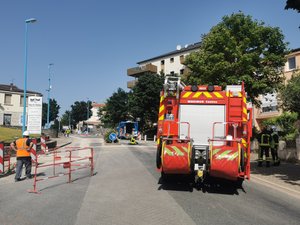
x: 49, y: 89
x: 31, y: 20
x: 88, y: 115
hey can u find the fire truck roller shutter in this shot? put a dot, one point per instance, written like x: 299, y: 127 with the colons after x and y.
x: 201, y: 119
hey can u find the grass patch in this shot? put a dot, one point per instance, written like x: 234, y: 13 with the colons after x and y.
x: 9, y: 134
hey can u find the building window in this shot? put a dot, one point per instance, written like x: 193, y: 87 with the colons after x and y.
x: 181, y: 59
x: 171, y: 60
x: 162, y: 62
x: 22, y: 100
x: 7, y: 119
x: 172, y: 73
x: 7, y: 99
x: 292, y: 63
x: 181, y: 71
x: 271, y: 108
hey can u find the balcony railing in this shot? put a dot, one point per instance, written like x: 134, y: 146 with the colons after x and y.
x: 140, y: 70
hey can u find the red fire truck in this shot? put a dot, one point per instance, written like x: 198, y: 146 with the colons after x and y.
x: 204, y: 130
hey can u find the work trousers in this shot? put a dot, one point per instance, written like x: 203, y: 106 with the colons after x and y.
x: 274, y: 152
x: 20, y: 162
x: 264, y: 150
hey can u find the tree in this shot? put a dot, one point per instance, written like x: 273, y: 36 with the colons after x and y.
x: 144, y: 100
x: 290, y: 95
x: 66, y: 119
x: 115, y: 109
x: 79, y: 112
x: 240, y: 49
x: 293, y: 4
x: 54, y: 111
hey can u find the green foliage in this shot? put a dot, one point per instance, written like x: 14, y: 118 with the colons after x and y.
x: 290, y: 95
x: 115, y: 109
x: 79, y: 112
x: 65, y: 118
x: 106, y: 136
x: 144, y: 101
x: 293, y: 4
x: 286, y: 123
x: 240, y: 49
x: 54, y: 110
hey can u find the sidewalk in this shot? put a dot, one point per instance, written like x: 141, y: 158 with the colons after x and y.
x: 286, y: 176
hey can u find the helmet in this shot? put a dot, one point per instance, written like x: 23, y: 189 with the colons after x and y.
x: 26, y: 133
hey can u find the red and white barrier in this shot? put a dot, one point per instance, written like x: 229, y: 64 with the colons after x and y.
x: 33, y: 151
x: 1, y: 158
x: 86, y: 162
x: 44, y: 147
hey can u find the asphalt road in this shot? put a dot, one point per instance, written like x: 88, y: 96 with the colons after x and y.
x: 126, y: 189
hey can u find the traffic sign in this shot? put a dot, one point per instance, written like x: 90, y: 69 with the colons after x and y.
x: 112, y: 137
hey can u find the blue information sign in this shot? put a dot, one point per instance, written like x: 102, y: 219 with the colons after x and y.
x: 112, y: 136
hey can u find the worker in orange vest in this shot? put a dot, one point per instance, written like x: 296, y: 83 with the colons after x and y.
x: 23, y: 146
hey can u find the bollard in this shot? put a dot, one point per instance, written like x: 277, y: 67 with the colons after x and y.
x: 145, y: 138
x: 154, y: 138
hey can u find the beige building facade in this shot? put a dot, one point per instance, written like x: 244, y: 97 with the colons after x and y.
x: 270, y: 105
x: 11, y: 104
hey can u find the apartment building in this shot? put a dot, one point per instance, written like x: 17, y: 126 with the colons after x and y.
x: 11, y: 104
x: 270, y: 105
x: 168, y: 63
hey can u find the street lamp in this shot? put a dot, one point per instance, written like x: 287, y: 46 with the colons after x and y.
x: 49, y: 89
x: 88, y: 115
x: 31, y: 20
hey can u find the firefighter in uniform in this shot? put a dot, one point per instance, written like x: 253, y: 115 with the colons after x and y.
x: 264, y: 147
x: 274, y: 147
x: 23, y: 146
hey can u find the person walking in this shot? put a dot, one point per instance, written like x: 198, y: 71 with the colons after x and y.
x: 264, y: 147
x: 274, y: 147
x: 23, y: 146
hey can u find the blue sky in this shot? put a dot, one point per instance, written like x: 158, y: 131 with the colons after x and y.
x: 92, y: 43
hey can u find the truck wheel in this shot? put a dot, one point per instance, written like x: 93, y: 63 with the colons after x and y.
x: 158, y: 156
x: 192, y: 161
x: 239, y: 182
x: 242, y: 163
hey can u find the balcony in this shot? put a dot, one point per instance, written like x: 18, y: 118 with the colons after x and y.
x: 140, y: 70
x: 131, y: 84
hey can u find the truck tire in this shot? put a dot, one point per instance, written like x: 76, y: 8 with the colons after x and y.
x: 242, y: 163
x: 158, y: 156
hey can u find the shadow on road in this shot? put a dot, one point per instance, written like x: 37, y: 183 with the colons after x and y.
x: 210, y: 185
x: 288, y: 172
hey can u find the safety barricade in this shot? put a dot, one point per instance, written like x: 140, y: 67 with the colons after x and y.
x: 68, y: 160
x: 5, y: 163
x: 44, y: 148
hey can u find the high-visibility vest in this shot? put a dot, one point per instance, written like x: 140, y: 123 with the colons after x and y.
x: 265, y: 140
x: 22, y: 148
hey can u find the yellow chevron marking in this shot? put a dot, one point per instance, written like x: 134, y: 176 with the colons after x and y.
x: 244, y: 119
x: 228, y: 94
x: 240, y: 94
x: 245, y: 100
x: 218, y: 95
x: 161, y: 108
x: 162, y: 98
x: 224, y: 155
x: 162, y: 117
x: 233, y: 156
x: 168, y: 151
x: 185, y: 149
x: 187, y: 94
x: 215, y: 151
x: 197, y: 94
x: 245, y: 110
x: 207, y: 94
x: 177, y: 150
